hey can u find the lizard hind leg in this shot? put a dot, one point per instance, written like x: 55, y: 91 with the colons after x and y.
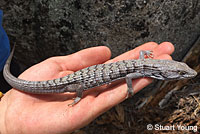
x: 78, y: 88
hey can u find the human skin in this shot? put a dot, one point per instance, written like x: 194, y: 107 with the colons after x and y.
x: 24, y: 113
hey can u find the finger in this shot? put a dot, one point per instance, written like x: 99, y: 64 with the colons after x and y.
x: 163, y: 48
x: 84, y: 58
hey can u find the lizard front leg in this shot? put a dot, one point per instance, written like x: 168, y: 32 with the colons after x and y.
x: 129, y: 78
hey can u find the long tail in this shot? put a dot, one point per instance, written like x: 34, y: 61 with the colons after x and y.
x: 27, y: 86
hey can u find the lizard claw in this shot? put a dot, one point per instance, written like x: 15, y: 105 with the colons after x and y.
x: 76, y: 100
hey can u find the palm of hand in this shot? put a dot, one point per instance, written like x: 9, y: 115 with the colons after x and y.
x: 51, y: 113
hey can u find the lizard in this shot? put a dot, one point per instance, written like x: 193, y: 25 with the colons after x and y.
x: 101, y: 74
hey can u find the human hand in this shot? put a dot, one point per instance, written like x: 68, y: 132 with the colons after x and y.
x: 35, y: 113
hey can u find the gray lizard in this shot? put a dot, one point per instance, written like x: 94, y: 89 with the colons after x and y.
x: 101, y: 74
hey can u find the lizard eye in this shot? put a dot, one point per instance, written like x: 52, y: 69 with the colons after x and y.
x: 182, y: 72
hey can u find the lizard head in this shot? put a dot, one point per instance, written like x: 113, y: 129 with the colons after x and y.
x: 178, y: 70
x: 172, y: 70
x: 184, y: 71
